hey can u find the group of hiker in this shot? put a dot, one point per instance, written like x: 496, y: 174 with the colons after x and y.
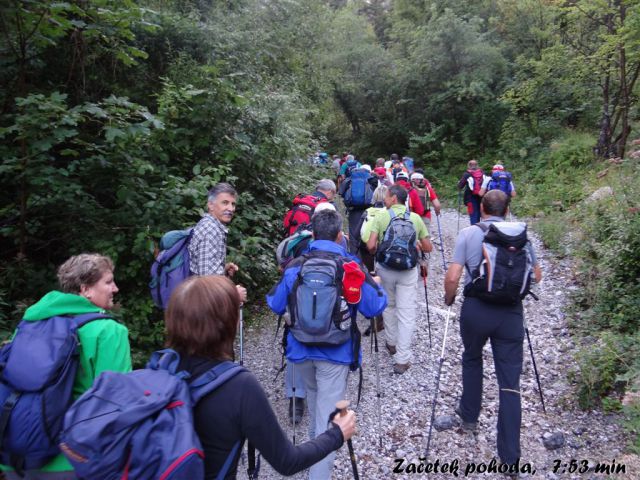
x: 194, y: 392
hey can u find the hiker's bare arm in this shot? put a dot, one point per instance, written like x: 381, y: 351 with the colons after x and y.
x: 425, y: 245
x: 451, y: 280
x: 372, y: 243
x: 436, y: 205
x: 537, y: 273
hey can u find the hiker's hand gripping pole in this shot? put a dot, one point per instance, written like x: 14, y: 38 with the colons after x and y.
x: 341, y: 410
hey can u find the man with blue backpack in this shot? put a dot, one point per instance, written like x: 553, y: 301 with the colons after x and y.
x: 322, y: 291
x: 357, y: 194
x: 500, y: 180
x: 201, y: 250
x: 397, y: 236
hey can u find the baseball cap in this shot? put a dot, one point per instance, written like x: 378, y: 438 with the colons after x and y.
x: 400, y: 175
x: 366, y: 167
x: 417, y: 176
x: 352, y: 282
x: 498, y: 167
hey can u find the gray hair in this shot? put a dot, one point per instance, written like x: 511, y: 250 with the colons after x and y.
x: 326, y: 225
x: 326, y: 184
x: 379, y: 194
x: 84, y: 269
x: 219, y: 188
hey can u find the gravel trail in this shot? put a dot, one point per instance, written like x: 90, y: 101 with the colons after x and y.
x: 407, y: 399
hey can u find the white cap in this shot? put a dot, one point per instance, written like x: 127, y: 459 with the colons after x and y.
x: 366, y: 167
x: 417, y: 176
x: 402, y: 175
x: 324, y: 206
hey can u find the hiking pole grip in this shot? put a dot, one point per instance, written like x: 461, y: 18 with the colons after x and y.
x: 342, y: 406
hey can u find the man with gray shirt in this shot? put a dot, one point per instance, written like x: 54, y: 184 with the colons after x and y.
x: 480, y: 320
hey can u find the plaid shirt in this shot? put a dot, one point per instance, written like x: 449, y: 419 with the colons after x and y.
x: 208, y: 247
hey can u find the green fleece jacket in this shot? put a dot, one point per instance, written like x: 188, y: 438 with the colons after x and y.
x: 104, y: 347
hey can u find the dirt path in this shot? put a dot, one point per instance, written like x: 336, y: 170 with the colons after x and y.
x: 406, y: 399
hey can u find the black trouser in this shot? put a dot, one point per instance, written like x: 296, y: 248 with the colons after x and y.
x: 503, y: 326
x: 354, y: 215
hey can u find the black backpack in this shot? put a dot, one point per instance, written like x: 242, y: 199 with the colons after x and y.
x: 504, y: 274
x: 398, y: 249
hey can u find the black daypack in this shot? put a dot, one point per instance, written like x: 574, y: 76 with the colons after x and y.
x: 398, y: 249
x: 504, y: 274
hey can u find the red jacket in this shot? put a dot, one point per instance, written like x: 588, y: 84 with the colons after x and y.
x: 415, y: 204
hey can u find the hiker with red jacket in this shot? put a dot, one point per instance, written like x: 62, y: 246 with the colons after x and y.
x: 427, y: 195
x: 414, y: 203
x: 304, y: 206
x: 472, y: 181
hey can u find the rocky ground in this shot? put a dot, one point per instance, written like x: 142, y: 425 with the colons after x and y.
x: 550, y: 442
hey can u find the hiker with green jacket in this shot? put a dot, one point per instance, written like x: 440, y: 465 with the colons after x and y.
x: 87, y: 286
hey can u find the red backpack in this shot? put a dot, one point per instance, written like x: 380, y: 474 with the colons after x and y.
x: 301, y: 212
x: 478, y: 178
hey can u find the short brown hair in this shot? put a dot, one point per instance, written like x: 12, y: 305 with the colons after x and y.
x: 202, y: 317
x: 495, y: 203
x: 84, y: 269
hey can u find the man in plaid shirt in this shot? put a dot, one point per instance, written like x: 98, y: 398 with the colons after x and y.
x: 208, y: 245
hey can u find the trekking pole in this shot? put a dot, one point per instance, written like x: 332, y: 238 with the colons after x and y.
x: 535, y: 369
x: 459, y: 203
x: 423, y: 273
x: 293, y: 386
x: 341, y: 408
x: 241, y: 337
x: 444, y: 264
x: 374, y: 329
x: 435, y: 395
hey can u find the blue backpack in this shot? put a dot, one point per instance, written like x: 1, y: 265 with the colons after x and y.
x: 351, y: 166
x: 358, y: 193
x: 140, y: 424
x: 171, y: 266
x: 500, y: 180
x: 37, y: 372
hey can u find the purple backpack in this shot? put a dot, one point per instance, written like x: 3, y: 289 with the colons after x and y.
x: 37, y: 372
x: 139, y: 425
x: 171, y: 266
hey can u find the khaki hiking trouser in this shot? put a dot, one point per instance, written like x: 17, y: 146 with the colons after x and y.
x: 401, y: 313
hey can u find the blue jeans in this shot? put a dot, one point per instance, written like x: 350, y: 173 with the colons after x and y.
x: 502, y: 325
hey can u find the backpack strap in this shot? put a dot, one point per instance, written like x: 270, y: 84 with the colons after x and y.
x: 78, y: 321
x: 485, y: 228
x: 213, y: 378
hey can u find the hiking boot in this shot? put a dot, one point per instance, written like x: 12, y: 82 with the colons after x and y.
x: 400, y: 368
x: 379, y: 326
x: 390, y: 348
x: 466, y: 427
x: 299, y: 406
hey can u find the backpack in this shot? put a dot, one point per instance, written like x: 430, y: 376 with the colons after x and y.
x: 504, y: 275
x: 358, y: 191
x: 301, y: 212
x: 171, y: 266
x: 292, y: 247
x: 140, y: 424
x: 500, y: 180
x: 37, y: 374
x: 398, y: 249
x: 351, y: 166
x: 319, y: 313
x: 475, y: 180
x: 423, y: 192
